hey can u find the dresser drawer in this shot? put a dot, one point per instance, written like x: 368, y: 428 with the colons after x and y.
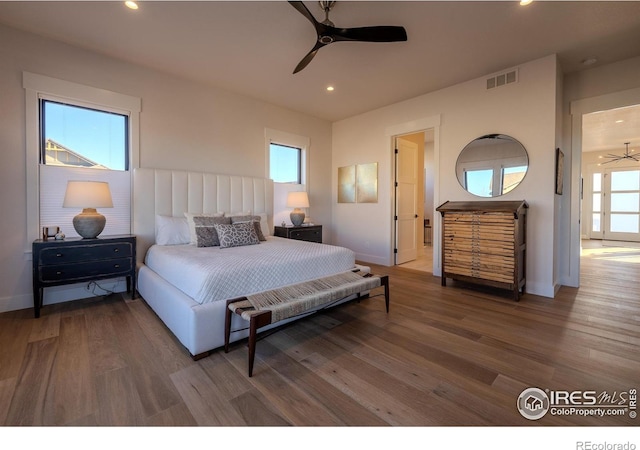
x: 84, y: 253
x: 86, y: 270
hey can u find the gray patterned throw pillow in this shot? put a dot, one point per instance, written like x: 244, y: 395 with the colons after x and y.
x: 256, y: 224
x: 237, y: 234
x: 206, y: 234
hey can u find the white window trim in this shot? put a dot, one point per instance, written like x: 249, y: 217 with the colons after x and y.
x: 291, y: 140
x: 37, y: 86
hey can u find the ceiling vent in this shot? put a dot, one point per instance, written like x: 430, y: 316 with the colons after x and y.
x: 502, y: 79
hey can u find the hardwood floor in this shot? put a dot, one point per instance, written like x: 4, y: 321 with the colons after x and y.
x: 442, y: 356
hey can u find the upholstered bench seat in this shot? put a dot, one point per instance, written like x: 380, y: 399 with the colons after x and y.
x: 264, y: 308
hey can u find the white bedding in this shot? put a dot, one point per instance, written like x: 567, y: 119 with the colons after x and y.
x: 212, y: 273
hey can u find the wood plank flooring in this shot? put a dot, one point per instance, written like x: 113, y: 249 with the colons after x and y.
x: 442, y: 356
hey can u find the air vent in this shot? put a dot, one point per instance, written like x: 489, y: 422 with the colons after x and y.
x: 502, y: 79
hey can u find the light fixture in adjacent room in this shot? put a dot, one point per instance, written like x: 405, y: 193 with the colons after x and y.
x: 131, y: 4
x: 525, y: 2
x: 590, y: 61
x: 626, y: 155
x: 297, y: 200
x: 330, y: 88
x: 88, y: 195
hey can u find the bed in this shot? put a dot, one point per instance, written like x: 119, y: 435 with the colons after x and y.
x: 186, y: 284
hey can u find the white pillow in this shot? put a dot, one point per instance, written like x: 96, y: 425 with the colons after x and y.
x: 171, y: 230
x: 193, y: 239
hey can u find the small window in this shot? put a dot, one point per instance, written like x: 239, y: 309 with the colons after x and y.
x: 479, y: 182
x: 285, y: 163
x: 75, y: 136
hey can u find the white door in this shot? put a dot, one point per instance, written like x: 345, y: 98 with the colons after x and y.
x: 406, y: 186
x: 622, y: 204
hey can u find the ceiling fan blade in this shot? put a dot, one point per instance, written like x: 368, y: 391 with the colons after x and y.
x: 302, y: 9
x: 370, y: 34
x: 309, y: 56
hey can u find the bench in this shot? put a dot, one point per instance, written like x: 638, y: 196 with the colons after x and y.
x: 272, y: 306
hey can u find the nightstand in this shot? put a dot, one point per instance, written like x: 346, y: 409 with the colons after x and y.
x: 310, y: 233
x: 74, y: 260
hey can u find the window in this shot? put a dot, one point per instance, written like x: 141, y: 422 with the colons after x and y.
x: 285, y: 164
x: 511, y: 177
x: 479, y: 182
x: 286, y: 157
x: 77, y: 132
x: 83, y: 137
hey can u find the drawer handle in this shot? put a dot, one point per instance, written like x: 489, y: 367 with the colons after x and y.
x: 59, y: 255
x: 116, y: 250
x: 117, y: 266
x: 58, y: 273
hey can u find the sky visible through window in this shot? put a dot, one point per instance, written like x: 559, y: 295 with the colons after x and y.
x: 97, y: 135
x: 284, y: 164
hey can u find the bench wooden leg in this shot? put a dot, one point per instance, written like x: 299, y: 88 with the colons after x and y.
x: 384, y: 280
x: 227, y: 327
x: 257, y: 321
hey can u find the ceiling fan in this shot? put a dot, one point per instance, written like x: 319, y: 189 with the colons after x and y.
x: 626, y: 155
x: 328, y: 33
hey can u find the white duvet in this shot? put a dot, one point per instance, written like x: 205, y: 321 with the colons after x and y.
x: 212, y: 273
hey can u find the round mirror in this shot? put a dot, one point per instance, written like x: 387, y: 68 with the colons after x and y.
x: 492, y: 165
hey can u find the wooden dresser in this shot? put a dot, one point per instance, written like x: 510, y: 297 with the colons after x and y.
x: 484, y: 243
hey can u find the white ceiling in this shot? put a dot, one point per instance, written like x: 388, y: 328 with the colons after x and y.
x: 252, y: 47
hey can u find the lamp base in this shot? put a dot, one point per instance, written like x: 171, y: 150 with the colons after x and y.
x: 297, y: 217
x: 89, y: 223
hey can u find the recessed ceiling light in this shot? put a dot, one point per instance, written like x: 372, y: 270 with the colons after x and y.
x: 525, y: 2
x: 589, y: 61
x: 330, y: 88
x: 131, y: 4
x: 619, y: 121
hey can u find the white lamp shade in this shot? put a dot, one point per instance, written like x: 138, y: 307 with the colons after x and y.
x: 87, y: 194
x: 297, y: 200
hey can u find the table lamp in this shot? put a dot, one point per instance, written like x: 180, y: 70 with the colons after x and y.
x: 88, y: 195
x: 297, y: 200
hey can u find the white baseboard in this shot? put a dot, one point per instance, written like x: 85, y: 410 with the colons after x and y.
x: 60, y: 294
x: 372, y: 259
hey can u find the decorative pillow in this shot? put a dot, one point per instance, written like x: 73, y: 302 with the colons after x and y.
x: 256, y: 223
x: 171, y: 230
x: 192, y: 226
x: 264, y: 224
x: 237, y: 234
x: 206, y: 234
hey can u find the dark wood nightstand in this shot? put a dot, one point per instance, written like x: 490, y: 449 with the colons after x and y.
x: 310, y: 233
x: 75, y: 260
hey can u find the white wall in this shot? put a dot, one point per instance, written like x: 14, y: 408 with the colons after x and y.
x: 526, y: 110
x: 183, y: 125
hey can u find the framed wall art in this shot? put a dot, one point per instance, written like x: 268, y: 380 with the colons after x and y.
x: 358, y: 183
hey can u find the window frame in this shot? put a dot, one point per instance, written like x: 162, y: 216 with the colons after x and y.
x: 47, y: 99
x: 298, y: 162
x: 39, y: 86
x: 287, y: 140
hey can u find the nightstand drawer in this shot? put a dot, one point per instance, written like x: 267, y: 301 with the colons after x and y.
x: 310, y: 233
x: 71, y: 254
x: 86, y: 270
x: 313, y: 235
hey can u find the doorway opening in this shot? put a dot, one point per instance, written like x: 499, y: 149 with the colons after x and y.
x: 414, y: 200
x: 611, y: 175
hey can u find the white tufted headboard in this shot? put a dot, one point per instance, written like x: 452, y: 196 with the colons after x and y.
x: 173, y: 192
